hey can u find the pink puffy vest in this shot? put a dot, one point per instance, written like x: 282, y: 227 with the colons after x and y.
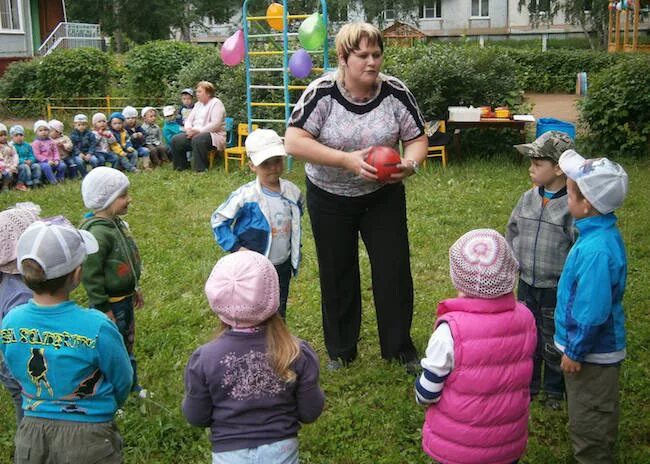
x: 482, y: 415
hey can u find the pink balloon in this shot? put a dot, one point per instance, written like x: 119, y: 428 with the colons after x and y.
x: 300, y: 64
x: 233, y: 49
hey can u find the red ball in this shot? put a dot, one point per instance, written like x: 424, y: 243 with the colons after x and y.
x: 385, y: 159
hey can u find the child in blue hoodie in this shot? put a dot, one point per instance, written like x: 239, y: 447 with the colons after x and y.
x: 70, y: 361
x: 589, y: 317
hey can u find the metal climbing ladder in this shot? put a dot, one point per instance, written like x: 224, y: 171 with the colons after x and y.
x: 284, y: 70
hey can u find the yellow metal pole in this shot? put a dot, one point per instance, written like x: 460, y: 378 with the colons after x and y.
x: 108, y: 103
x: 49, y: 111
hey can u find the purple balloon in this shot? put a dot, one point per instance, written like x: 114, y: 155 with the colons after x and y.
x: 300, y: 64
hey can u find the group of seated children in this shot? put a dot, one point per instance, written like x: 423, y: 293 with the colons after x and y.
x: 118, y: 141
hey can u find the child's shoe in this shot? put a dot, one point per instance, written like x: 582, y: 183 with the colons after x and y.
x: 22, y: 187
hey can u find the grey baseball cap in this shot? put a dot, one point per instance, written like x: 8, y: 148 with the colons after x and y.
x: 549, y: 145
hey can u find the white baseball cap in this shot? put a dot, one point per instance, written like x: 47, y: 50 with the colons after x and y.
x: 56, y: 246
x: 263, y: 144
x: 169, y: 110
x: 146, y: 109
x: 602, y: 182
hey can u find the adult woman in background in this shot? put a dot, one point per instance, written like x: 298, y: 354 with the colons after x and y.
x: 337, y: 119
x: 205, y: 130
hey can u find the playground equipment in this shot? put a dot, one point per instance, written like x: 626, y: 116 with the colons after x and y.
x: 624, y: 17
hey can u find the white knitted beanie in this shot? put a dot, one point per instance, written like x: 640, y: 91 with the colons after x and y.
x: 102, y: 186
x: 482, y: 264
x: 13, y: 223
x: 98, y: 117
x: 130, y: 112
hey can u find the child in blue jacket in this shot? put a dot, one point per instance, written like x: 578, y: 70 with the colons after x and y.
x: 589, y: 318
x: 264, y: 215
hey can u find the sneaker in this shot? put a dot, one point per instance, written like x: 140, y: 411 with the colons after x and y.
x: 553, y: 403
x: 21, y: 187
x: 336, y: 364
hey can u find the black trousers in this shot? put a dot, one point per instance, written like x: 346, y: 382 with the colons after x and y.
x: 380, y: 218
x: 199, y: 145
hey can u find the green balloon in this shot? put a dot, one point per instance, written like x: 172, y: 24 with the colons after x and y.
x: 312, y: 33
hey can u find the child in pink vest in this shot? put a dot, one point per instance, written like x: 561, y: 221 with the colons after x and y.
x: 481, y: 352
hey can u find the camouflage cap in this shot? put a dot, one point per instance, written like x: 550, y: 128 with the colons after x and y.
x: 549, y: 145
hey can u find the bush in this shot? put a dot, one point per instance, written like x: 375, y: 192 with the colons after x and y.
x: 152, y: 69
x: 79, y: 72
x: 616, y: 109
x: 20, y: 80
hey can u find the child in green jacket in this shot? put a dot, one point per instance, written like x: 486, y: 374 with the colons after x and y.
x: 111, y: 275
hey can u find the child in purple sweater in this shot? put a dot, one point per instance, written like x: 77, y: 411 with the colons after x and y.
x: 47, y: 154
x: 255, y: 383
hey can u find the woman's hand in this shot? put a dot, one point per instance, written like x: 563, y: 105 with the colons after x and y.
x: 406, y: 167
x: 355, y: 161
x: 192, y: 132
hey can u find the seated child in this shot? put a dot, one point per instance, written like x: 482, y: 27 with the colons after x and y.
x: 84, y: 143
x: 187, y: 104
x: 47, y: 153
x: 29, y: 171
x: 255, y: 383
x: 137, y: 135
x: 111, y: 276
x: 126, y: 154
x: 589, y: 318
x: 479, y: 360
x: 264, y: 215
x: 541, y: 233
x: 73, y: 369
x: 171, y: 126
x: 153, y: 136
x: 104, y: 138
x: 73, y: 163
x: 8, y: 160
x: 13, y: 291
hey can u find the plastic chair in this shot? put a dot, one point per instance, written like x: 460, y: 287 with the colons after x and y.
x: 437, y: 142
x: 230, y: 141
x: 238, y: 152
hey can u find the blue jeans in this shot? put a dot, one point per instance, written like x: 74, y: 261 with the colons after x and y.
x: 128, y: 162
x: 279, y: 452
x: 284, y: 270
x: 125, y: 321
x: 541, y: 302
x: 29, y: 175
x: 75, y: 164
x: 53, y: 174
x: 142, y: 152
x: 13, y: 387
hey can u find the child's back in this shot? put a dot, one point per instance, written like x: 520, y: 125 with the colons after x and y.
x: 481, y: 353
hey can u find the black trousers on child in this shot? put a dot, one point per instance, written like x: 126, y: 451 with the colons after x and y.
x: 380, y: 218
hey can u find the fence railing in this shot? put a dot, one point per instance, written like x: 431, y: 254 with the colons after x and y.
x: 72, y: 35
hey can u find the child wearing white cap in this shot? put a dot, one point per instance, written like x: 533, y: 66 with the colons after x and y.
x: 153, y: 136
x: 264, y: 215
x: 137, y: 135
x: 255, y: 383
x: 589, y: 318
x: 111, y: 277
x: 74, y: 164
x: 70, y: 361
x: 479, y: 360
x: 187, y: 105
x: 47, y: 153
x: 13, y: 291
x: 84, y: 143
x: 170, y: 126
x: 8, y: 160
x: 29, y: 171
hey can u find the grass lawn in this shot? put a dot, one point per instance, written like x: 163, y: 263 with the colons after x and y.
x: 370, y: 415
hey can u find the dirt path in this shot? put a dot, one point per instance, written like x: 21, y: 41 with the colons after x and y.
x: 559, y: 106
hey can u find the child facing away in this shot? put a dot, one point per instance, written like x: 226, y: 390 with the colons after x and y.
x: 70, y: 361
x: 153, y: 136
x: 589, y: 318
x: 264, y: 215
x: 541, y: 233
x: 111, y: 276
x: 255, y: 383
x: 29, y: 171
x: 127, y: 158
x: 13, y: 291
x: 105, y: 139
x: 8, y: 160
x: 47, y: 153
x: 84, y: 143
x: 137, y: 135
x: 187, y: 104
x: 479, y: 360
x: 74, y: 164
x: 170, y: 126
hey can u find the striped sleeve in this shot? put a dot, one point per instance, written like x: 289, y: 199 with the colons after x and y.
x: 436, y: 366
x: 312, y: 109
x: 410, y: 117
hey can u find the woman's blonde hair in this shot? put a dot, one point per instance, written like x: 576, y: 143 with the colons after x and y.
x: 350, y: 36
x: 207, y: 86
x: 282, y: 348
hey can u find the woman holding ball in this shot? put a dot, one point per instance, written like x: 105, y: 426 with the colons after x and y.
x: 336, y: 121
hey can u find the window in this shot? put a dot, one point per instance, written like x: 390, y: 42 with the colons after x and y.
x: 9, y: 14
x: 389, y: 15
x: 480, y: 8
x: 431, y: 9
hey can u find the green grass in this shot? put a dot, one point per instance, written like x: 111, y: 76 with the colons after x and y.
x: 370, y: 415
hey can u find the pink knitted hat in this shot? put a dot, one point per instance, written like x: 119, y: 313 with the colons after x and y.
x: 482, y: 265
x: 13, y: 223
x: 243, y: 289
